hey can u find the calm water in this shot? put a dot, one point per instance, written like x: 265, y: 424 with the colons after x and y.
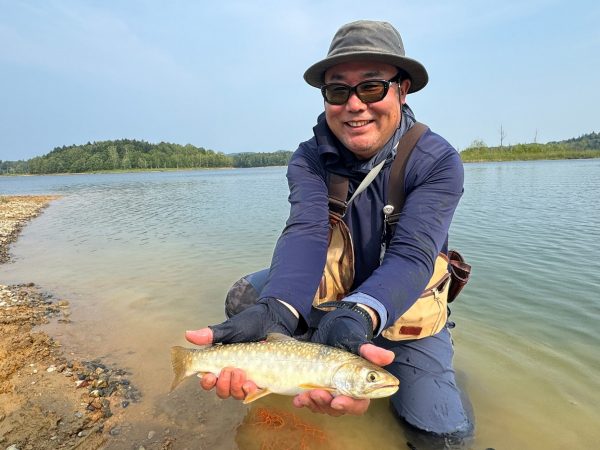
x: 145, y: 256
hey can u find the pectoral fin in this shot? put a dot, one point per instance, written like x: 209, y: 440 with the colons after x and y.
x: 275, y: 337
x: 314, y: 386
x: 256, y: 395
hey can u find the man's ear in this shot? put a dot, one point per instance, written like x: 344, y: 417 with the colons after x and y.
x: 403, y: 88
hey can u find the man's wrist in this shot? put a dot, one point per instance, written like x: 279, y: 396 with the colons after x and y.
x: 372, y: 313
x: 291, y: 308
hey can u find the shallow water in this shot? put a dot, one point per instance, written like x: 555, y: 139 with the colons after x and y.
x: 145, y: 256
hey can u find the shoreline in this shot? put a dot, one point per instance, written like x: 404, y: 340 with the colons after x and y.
x: 49, y: 400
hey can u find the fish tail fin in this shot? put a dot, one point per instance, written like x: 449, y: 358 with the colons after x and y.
x: 180, y: 361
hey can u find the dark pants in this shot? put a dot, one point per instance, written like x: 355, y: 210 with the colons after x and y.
x: 428, y: 400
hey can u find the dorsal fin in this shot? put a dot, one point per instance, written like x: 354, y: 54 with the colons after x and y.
x: 275, y: 337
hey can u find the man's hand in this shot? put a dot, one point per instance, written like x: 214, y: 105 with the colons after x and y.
x: 349, y: 330
x: 231, y: 382
x: 267, y: 316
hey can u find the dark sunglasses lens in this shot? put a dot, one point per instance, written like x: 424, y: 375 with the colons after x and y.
x: 336, y: 94
x: 371, y: 91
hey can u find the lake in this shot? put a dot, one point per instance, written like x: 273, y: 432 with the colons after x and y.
x: 144, y: 256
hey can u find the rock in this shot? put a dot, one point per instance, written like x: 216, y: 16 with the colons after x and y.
x: 151, y: 434
x: 115, y: 431
x: 96, y: 416
x: 96, y: 403
x: 63, y: 303
x: 12, y: 447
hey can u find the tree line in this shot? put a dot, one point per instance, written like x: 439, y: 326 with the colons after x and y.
x: 585, y: 146
x: 126, y: 154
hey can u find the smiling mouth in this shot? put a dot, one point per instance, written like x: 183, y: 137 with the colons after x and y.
x: 358, y: 123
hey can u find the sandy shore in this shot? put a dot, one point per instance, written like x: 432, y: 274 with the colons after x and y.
x: 49, y: 400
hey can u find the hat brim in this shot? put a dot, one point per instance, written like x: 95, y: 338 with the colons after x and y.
x: 416, y: 71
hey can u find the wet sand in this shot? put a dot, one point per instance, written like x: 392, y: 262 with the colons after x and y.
x: 49, y: 400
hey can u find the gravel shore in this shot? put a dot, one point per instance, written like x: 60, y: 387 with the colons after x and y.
x: 47, y: 399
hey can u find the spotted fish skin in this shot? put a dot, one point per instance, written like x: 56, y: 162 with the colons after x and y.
x: 286, y: 366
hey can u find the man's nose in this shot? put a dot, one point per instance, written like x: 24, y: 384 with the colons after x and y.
x: 354, y: 103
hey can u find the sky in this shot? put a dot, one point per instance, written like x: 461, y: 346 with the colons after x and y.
x: 227, y: 75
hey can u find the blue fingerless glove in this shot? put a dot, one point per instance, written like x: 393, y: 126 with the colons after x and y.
x: 347, y: 327
x: 268, y: 315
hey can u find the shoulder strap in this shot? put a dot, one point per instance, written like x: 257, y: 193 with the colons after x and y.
x: 338, y: 193
x: 395, y: 198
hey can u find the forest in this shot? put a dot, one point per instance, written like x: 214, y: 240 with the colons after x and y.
x: 585, y: 146
x: 126, y: 155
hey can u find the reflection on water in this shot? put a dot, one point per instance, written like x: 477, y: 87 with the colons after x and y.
x: 144, y: 256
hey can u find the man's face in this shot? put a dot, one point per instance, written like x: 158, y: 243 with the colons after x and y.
x: 364, y: 128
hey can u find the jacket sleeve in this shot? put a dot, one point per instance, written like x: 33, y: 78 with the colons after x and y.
x: 435, y: 178
x: 300, y: 252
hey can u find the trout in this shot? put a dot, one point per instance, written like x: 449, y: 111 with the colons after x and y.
x: 284, y: 365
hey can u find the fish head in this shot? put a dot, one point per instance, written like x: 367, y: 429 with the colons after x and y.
x: 361, y: 379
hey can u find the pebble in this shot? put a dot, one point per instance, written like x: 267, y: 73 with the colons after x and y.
x: 51, y: 369
x: 115, y: 431
x: 12, y: 447
x: 151, y: 434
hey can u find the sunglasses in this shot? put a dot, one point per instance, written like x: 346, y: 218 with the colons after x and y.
x: 369, y: 91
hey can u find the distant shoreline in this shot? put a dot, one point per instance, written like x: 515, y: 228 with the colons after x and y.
x: 467, y: 161
x: 117, y: 171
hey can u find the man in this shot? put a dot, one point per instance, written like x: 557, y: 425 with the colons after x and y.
x: 364, y: 79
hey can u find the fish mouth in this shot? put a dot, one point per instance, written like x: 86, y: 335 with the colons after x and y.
x: 384, y: 391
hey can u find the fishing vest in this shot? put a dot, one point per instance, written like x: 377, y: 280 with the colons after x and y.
x: 428, y: 315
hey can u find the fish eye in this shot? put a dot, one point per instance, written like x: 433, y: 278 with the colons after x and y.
x: 372, y: 376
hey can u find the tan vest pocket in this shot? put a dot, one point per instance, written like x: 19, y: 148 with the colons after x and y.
x: 338, y: 274
x: 428, y: 315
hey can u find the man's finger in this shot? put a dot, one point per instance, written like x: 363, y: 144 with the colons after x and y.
x: 208, y: 381
x: 377, y: 355
x: 224, y: 383
x: 348, y: 405
x: 238, y: 377
x: 200, y: 337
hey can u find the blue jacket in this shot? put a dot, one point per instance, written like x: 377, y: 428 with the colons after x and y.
x: 433, y: 186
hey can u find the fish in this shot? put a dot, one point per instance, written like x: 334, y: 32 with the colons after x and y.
x: 286, y: 366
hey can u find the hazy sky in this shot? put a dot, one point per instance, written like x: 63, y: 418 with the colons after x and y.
x: 227, y: 75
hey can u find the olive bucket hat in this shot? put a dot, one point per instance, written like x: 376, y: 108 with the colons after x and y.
x: 367, y: 40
